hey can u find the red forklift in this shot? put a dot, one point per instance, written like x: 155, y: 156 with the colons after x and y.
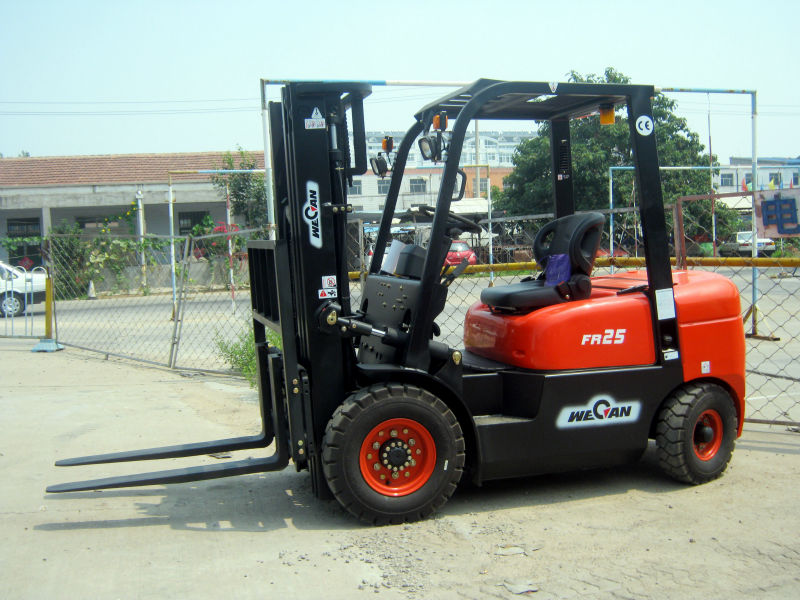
x: 560, y: 371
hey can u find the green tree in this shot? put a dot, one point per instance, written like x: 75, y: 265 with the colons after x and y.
x: 595, y: 148
x: 248, y: 196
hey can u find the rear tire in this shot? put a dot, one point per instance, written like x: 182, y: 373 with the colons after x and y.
x: 393, y: 453
x: 11, y: 305
x: 696, y: 432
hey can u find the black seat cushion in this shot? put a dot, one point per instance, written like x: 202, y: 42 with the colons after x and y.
x: 576, y: 238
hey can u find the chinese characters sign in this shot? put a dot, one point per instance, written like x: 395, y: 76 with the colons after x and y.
x: 776, y: 213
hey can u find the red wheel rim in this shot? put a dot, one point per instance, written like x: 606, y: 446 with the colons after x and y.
x: 397, y: 457
x: 706, y: 448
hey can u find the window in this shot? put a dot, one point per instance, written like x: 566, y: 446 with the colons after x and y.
x: 187, y: 220
x: 355, y: 189
x: 484, y: 183
x: 418, y: 185
x: 726, y: 179
x: 775, y: 178
x: 24, y: 228
x: 383, y: 185
x: 795, y: 178
x: 96, y: 225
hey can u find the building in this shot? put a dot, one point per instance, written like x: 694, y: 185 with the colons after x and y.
x: 773, y: 172
x: 39, y: 193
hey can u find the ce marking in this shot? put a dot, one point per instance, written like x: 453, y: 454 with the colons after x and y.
x: 644, y: 125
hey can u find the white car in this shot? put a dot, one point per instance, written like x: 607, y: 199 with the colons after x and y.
x: 18, y: 288
x: 764, y: 246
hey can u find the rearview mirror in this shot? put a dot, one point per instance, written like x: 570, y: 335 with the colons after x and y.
x: 460, y: 185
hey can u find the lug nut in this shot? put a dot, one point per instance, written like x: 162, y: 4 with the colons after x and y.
x: 405, y: 431
x: 376, y: 466
x: 412, y: 441
x: 413, y: 462
x: 393, y: 433
x: 376, y: 446
x: 407, y: 473
x: 369, y: 456
x: 395, y: 475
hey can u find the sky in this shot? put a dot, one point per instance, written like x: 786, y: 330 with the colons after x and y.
x: 86, y: 77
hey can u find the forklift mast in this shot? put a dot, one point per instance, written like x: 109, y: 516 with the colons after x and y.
x: 313, y: 168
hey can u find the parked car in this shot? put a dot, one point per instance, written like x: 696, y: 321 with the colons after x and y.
x: 743, y: 246
x: 618, y: 252
x: 458, y: 252
x: 19, y: 288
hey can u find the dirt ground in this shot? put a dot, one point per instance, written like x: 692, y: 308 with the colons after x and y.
x: 622, y: 533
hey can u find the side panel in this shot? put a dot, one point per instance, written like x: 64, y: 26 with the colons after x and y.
x: 585, y: 420
x: 603, y: 331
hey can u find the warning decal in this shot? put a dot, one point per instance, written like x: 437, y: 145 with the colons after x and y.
x: 327, y: 293
x: 317, y: 121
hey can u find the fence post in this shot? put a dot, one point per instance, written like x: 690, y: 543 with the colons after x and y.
x: 48, y: 344
x: 178, y: 317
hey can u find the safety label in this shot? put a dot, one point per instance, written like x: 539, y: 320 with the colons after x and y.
x: 317, y: 121
x: 329, y: 281
x: 327, y: 293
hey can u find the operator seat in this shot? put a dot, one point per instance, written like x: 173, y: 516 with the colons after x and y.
x: 565, y: 248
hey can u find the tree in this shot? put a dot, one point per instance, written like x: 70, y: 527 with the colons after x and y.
x: 248, y: 196
x: 595, y: 148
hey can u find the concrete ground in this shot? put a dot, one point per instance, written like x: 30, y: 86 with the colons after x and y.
x: 622, y: 533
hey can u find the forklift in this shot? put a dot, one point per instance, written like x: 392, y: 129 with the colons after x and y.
x: 558, y: 372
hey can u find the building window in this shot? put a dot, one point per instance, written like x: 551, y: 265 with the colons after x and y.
x: 26, y: 255
x: 748, y: 178
x: 775, y: 179
x: 92, y: 226
x: 355, y: 189
x: 383, y: 185
x: 187, y: 221
x: 795, y: 178
x: 418, y: 185
x: 484, y: 182
x: 726, y: 179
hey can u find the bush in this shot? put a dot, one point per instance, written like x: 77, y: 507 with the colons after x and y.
x: 240, y: 354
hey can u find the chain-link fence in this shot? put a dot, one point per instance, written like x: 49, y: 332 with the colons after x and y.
x: 120, y: 296
x: 124, y: 296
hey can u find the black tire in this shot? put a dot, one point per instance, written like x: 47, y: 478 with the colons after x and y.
x: 696, y: 432
x: 12, y: 305
x: 381, y: 482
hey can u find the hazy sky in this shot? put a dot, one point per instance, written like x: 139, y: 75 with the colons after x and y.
x: 107, y: 77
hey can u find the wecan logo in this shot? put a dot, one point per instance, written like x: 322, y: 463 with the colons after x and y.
x: 311, y: 214
x: 599, y: 411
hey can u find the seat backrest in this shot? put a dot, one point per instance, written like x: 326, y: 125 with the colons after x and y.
x: 577, y: 237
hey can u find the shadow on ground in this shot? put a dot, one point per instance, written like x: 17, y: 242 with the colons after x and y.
x: 273, y: 501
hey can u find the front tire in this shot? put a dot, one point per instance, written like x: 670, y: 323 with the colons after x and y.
x: 11, y: 305
x: 696, y: 432
x: 393, y: 453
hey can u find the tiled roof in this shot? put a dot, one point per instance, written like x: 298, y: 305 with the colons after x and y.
x: 111, y: 168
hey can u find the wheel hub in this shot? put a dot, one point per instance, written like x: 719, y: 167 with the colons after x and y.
x: 707, y: 435
x: 397, y: 457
